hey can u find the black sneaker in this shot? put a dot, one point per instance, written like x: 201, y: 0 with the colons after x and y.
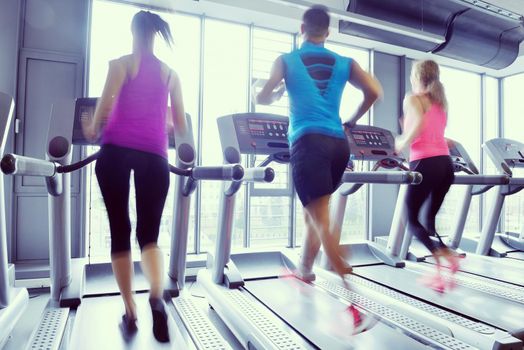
x: 128, y: 327
x: 160, y: 329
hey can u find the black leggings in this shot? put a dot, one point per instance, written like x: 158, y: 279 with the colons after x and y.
x: 438, y: 176
x: 151, y: 175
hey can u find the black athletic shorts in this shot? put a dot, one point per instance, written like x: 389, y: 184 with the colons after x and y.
x: 318, y: 163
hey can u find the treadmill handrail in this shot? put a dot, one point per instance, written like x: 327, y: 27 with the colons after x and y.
x: 78, y: 165
x: 13, y: 164
x: 382, y: 177
x: 516, y: 181
x: 259, y: 174
x: 231, y: 172
x: 378, y: 177
x: 481, y: 180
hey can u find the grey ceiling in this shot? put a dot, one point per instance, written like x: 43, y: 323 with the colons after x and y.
x: 512, y: 5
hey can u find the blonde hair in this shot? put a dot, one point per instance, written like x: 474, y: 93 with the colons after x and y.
x: 428, y: 74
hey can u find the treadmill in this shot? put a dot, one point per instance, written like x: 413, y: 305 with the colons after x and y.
x: 370, y: 256
x: 484, y: 268
x: 483, y: 317
x: 13, y: 301
x: 81, y: 314
x: 506, y: 155
x: 258, y: 297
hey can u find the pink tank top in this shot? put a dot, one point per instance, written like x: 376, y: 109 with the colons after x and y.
x: 138, y: 119
x: 430, y: 142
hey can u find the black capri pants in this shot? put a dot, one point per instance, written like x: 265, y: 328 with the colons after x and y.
x: 151, y: 175
x: 318, y: 163
x: 438, y: 176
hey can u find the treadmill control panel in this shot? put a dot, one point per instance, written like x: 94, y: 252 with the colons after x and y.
x: 460, y: 158
x: 506, y: 154
x: 256, y: 133
x: 370, y: 138
x: 84, y: 113
x: 264, y: 129
x: 263, y: 133
x: 371, y: 143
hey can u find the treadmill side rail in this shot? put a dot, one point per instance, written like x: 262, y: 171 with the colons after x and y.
x: 384, y: 256
x: 253, y: 327
x: 232, y: 277
x: 10, y: 315
x: 49, y: 333
x: 202, y: 331
x: 70, y: 295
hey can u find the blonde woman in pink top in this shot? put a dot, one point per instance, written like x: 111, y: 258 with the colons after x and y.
x: 425, y: 118
x: 133, y: 107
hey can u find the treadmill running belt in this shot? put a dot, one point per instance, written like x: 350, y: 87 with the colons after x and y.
x: 516, y: 255
x: 494, y: 268
x: 322, y: 319
x: 498, y: 312
x: 102, y: 280
x: 97, y: 322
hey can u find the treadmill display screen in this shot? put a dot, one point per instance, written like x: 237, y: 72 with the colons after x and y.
x: 268, y: 129
x: 256, y: 127
x: 370, y: 139
x: 84, y: 113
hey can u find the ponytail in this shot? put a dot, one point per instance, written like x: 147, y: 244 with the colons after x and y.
x: 437, y: 94
x: 145, y: 23
x: 428, y: 74
x: 162, y: 28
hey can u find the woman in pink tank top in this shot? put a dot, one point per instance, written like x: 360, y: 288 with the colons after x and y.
x: 133, y: 109
x: 425, y: 117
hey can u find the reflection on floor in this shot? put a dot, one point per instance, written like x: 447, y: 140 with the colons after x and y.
x: 104, y: 317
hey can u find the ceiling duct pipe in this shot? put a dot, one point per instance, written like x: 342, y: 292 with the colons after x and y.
x: 369, y: 22
x: 473, y: 32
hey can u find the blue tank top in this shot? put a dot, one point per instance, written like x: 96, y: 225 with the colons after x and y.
x: 315, y: 79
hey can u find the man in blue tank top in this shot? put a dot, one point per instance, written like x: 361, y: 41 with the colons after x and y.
x: 315, y: 78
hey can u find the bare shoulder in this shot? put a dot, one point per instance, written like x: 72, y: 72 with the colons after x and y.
x: 125, y: 60
x: 413, y: 100
x: 119, y: 62
x: 122, y: 64
x: 168, y: 74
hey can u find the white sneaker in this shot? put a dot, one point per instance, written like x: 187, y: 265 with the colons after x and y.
x: 305, y: 274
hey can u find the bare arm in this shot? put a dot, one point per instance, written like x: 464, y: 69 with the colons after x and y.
x: 369, y: 86
x: 114, y: 81
x: 414, y: 117
x: 177, y: 105
x: 268, y: 94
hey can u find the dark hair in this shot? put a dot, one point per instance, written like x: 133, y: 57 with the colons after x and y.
x: 146, y: 24
x: 316, y: 20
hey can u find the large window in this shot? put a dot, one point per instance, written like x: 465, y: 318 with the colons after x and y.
x: 490, y: 131
x: 513, y: 114
x: 111, y: 38
x: 463, y: 91
x: 270, y: 204
x: 226, y: 71
x: 216, y: 76
x: 355, y: 219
